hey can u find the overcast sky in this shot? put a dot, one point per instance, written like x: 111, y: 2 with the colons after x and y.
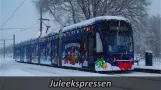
x: 27, y: 15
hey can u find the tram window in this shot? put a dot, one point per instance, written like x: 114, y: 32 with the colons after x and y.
x: 78, y: 31
x: 99, y: 46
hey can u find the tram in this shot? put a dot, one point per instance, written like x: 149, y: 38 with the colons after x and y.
x: 103, y: 43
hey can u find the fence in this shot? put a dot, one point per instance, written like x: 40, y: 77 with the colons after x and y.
x: 141, y: 59
x: 157, y: 60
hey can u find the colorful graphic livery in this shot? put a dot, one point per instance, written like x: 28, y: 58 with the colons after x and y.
x: 103, y: 43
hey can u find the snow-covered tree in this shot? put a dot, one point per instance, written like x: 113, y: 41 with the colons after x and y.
x: 153, y: 36
x: 68, y: 12
x: 73, y: 11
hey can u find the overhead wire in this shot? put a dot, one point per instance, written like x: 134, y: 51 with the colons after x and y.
x: 16, y: 28
x: 30, y: 26
x: 13, y: 13
x: 22, y: 29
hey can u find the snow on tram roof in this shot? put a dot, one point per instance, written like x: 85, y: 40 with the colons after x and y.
x: 93, y: 20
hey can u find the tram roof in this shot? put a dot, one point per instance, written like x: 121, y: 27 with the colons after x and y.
x: 93, y: 20
x: 49, y: 34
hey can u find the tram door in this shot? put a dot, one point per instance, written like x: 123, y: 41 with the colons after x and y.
x: 91, y: 51
x: 54, y: 52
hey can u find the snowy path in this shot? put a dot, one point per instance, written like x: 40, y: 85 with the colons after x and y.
x: 9, y: 67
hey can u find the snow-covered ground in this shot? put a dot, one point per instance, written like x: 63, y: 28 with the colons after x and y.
x: 156, y: 64
x: 9, y: 67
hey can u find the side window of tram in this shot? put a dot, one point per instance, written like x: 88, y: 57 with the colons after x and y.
x: 99, y: 45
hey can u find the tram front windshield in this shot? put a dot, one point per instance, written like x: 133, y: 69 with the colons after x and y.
x: 119, y: 43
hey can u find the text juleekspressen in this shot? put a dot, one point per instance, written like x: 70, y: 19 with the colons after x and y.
x: 79, y: 84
